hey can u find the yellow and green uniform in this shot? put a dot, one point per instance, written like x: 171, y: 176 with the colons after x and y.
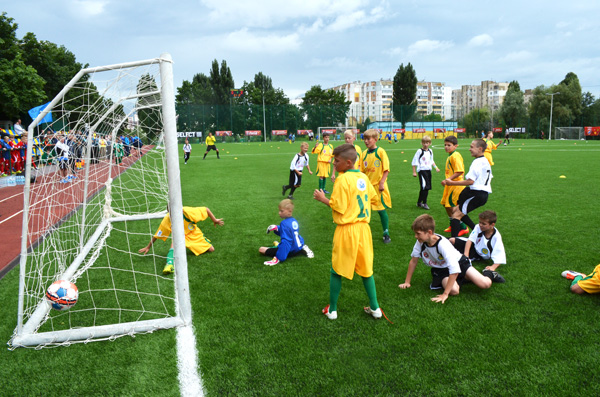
x: 374, y: 163
x: 210, y: 140
x: 591, y: 283
x: 454, y: 164
x: 488, y: 151
x: 359, y: 153
x: 194, y: 238
x: 351, y: 202
x: 324, y: 159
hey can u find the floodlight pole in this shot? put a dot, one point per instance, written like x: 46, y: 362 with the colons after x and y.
x: 264, y: 114
x: 551, y: 105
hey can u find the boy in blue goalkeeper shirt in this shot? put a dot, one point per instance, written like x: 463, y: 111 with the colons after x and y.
x: 292, y: 243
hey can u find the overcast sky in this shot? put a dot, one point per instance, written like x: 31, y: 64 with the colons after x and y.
x: 301, y: 43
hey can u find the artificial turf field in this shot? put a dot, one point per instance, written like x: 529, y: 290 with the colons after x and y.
x: 260, y: 330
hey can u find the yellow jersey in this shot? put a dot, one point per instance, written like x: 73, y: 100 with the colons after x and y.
x: 324, y: 151
x: 359, y: 153
x: 191, y: 215
x: 210, y: 140
x: 454, y: 164
x: 352, y: 197
x: 374, y: 163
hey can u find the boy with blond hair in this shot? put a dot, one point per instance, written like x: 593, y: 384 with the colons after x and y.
x: 299, y: 161
x: 449, y: 269
x: 454, y: 170
x: 351, y: 201
x: 292, y: 243
x: 349, y: 138
x: 374, y: 163
x: 324, y: 151
x: 422, y: 163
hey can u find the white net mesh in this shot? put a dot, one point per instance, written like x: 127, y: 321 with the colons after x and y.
x: 91, y: 211
x: 567, y: 133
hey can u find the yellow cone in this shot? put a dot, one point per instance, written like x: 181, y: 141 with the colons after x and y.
x: 405, y: 161
x: 562, y: 177
x: 235, y: 158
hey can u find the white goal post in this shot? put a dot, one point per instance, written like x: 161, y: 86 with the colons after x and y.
x: 569, y: 133
x: 85, y: 218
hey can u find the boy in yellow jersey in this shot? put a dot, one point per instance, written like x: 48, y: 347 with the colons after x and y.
x: 375, y: 163
x: 351, y: 201
x: 490, y: 145
x: 349, y: 138
x: 194, y: 238
x: 583, y: 284
x: 210, y: 145
x: 454, y: 170
x: 325, y: 151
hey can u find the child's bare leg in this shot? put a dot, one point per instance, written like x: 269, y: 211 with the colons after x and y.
x: 455, y: 288
x: 263, y: 250
x: 576, y: 289
x: 478, y: 279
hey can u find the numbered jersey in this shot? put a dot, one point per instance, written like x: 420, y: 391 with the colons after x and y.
x: 352, y: 198
x: 291, y: 241
x: 480, y: 173
x: 324, y: 152
x: 454, y: 164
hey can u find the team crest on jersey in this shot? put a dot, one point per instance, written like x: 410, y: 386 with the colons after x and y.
x: 361, y: 185
x: 159, y: 233
x: 440, y: 257
x: 426, y: 255
x: 191, y: 226
x: 295, y: 225
x: 366, y: 164
x: 376, y: 163
x: 485, y: 251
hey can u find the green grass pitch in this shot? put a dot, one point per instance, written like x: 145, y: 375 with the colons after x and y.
x: 260, y: 330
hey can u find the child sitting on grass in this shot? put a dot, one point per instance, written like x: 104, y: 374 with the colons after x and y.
x: 583, y: 284
x: 449, y: 269
x: 292, y: 243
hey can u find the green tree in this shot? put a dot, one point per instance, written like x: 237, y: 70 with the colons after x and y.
x: 324, y: 108
x: 364, y: 125
x: 513, y: 110
x: 405, y: 93
x: 20, y: 88
x: 590, y: 108
x: 9, y: 45
x: 477, y: 119
x: 147, y: 110
x: 432, y: 117
x: 194, y: 103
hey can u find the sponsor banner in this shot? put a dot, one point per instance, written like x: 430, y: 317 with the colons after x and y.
x: 460, y: 130
x: 328, y: 131
x: 304, y: 132
x: 418, y: 130
x: 399, y: 130
x: 189, y: 134
x: 253, y: 132
x: 278, y: 132
x: 439, y: 130
x: 516, y: 130
x: 237, y: 92
x: 497, y: 129
x: 223, y: 133
x: 592, y: 131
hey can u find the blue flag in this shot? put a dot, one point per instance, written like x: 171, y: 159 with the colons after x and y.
x: 33, y: 113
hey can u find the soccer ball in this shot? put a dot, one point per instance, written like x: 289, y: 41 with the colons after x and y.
x: 62, y: 295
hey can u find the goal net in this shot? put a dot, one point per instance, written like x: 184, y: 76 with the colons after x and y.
x: 566, y: 133
x: 86, y: 216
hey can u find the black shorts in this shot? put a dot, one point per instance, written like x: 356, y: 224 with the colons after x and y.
x: 295, y: 179
x: 471, y: 199
x: 211, y: 147
x: 425, y: 179
x: 460, y: 243
x: 271, y: 252
x: 438, y: 274
x: 63, y: 163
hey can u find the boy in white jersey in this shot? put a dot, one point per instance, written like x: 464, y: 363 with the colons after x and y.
x: 449, y: 269
x: 484, y: 243
x: 187, y: 149
x: 478, y: 181
x: 422, y: 163
x: 299, y: 161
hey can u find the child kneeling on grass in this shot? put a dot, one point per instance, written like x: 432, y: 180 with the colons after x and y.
x: 449, y: 269
x: 584, y: 284
x: 292, y: 243
x: 350, y: 202
x: 194, y: 238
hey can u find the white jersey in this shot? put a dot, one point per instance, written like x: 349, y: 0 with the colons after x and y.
x: 299, y: 162
x: 441, y: 255
x: 187, y: 148
x: 488, y: 249
x: 423, y: 160
x: 480, y: 173
x: 63, y: 148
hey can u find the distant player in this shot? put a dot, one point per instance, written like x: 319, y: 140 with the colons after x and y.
x: 422, y: 163
x: 583, y: 284
x: 454, y: 170
x: 449, y: 269
x: 324, y: 151
x: 187, y: 150
x: 211, y: 145
x: 351, y: 200
x: 475, y: 195
x: 375, y: 163
x: 299, y: 161
x: 292, y: 243
x: 194, y: 238
x: 490, y: 146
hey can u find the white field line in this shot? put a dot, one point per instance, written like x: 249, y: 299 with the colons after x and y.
x: 190, y: 383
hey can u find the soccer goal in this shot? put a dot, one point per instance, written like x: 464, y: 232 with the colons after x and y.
x: 569, y: 133
x: 86, y: 225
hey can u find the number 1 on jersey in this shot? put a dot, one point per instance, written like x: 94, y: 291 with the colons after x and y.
x: 363, y: 212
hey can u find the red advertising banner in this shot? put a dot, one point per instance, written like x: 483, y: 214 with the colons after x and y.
x: 328, y: 131
x: 223, y: 133
x: 304, y: 132
x: 439, y: 130
x: 253, y: 132
x: 418, y: 130
x: 460, y: 130
x: 497, y: 129
x: 398, y: 130
x: 592, y: 131
x: 278, y: 132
